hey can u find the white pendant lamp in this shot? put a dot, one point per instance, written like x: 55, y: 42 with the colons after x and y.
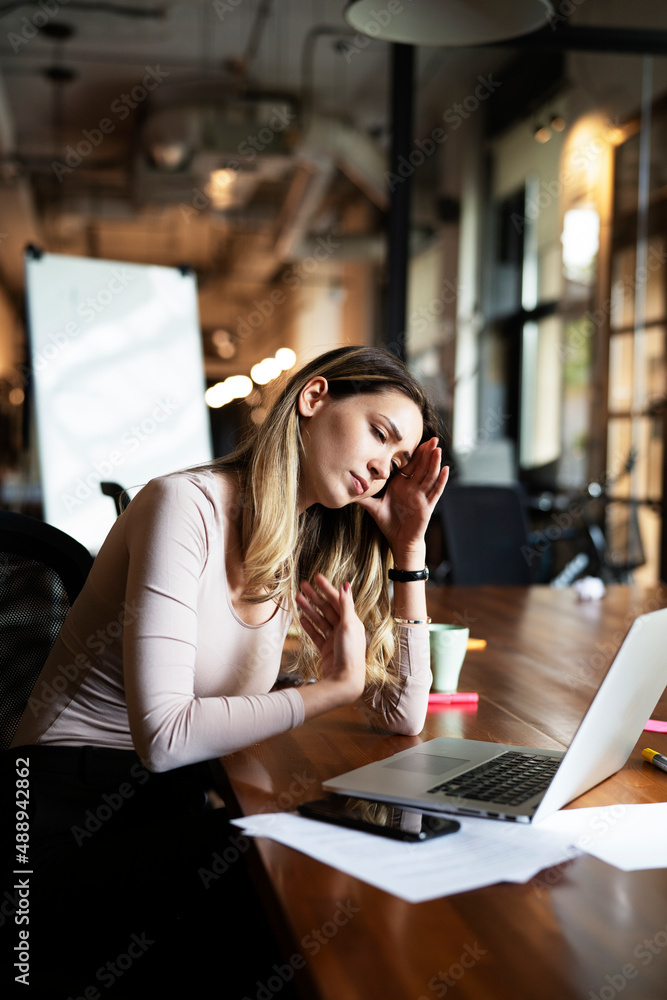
x: 448, y: 22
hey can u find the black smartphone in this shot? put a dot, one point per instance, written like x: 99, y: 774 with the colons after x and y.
x: 379, y: 817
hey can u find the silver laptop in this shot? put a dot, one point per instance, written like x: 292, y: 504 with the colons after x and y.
x: 454, y: 775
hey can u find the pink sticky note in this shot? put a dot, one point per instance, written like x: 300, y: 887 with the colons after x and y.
x: 655, y: 726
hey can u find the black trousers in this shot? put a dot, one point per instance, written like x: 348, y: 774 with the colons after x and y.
x: 136, y: 883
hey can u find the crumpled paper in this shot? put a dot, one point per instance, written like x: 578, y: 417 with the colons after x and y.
x: 589, y: 588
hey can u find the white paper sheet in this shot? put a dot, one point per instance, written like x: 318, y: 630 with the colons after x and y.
x: 631, y: 837
x: 481, y: 853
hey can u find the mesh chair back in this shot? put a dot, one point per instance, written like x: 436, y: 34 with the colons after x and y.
x: 42, y: 570
x: 486, y: 534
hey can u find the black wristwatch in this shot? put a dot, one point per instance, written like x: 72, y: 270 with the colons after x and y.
x: 408, y: 575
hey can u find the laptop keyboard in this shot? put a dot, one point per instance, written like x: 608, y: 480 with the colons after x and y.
x: 510, y: 779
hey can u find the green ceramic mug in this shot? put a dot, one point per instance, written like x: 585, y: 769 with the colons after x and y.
x: 448, y: 649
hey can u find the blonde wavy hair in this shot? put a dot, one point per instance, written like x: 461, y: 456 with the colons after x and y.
x: 282, y: 547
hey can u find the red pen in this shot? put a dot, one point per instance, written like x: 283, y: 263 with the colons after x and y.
x: 452, y: 698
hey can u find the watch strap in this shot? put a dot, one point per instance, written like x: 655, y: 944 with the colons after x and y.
x: 408, y: 575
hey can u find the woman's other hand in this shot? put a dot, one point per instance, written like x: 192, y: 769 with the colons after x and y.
x: 329, y: 618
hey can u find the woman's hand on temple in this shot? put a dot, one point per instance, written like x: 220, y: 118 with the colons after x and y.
x: 329, y: 618
x: 403, y: 513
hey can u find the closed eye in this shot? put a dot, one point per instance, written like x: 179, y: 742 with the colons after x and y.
x: 381, y: 435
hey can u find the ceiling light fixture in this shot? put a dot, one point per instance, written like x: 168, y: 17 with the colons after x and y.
x: 241, y: 387
x: 216, y: 396
x: 449, y: 22
x: 171, y: 156
x: 234, y: 387
x: 220, y: 188
x: 265, y: 371
x: 223, y: 343
x: 286, y: 358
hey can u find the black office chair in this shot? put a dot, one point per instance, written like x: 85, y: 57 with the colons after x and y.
x: 118, y: 494
x: 42, y: 570
x: 486, y: 535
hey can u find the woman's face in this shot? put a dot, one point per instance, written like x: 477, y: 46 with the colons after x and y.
x: 351, y: 446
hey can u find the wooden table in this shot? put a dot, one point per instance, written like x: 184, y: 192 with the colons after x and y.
x: 580, y: 930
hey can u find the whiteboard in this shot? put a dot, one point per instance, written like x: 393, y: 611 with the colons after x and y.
x: 118, y: 376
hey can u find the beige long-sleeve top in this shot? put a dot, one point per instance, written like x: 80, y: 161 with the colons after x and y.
x: 154, y: 657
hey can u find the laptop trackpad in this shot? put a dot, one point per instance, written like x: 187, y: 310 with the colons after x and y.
x: 426, y: 763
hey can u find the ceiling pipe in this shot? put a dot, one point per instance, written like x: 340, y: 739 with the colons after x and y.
x: 352, y: 151
x: 572, y: 38
x: 327, y: 145
x: 307, y: 190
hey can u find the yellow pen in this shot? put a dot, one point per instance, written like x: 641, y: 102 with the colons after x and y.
x: 653, y: 757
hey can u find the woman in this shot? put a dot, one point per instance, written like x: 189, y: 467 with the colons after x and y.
x: 170, y: 655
